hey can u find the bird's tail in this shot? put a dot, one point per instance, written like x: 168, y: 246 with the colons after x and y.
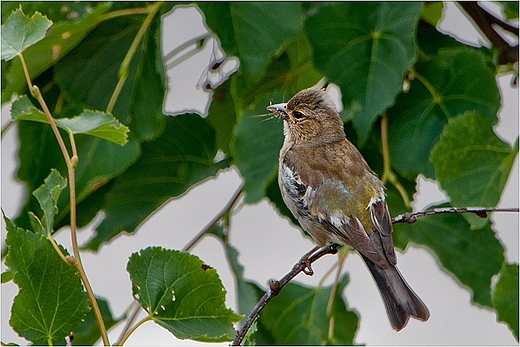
x: 400, y: 300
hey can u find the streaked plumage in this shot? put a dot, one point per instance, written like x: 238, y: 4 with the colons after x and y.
x: 328, y: 186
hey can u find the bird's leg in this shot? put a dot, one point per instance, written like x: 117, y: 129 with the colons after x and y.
x: 305, y: 260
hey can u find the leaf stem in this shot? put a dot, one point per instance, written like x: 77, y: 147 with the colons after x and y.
x: 125, y: 64
x: 388, y: 173
x: 71, y: 164
x: 58, y: 250
x: 134, y: 308
x: 131, y: 331
x: 123, y: 12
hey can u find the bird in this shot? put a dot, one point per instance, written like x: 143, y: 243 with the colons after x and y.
x: 337, y: 198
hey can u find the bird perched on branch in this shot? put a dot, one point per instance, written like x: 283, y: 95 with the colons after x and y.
x: 330, y: 189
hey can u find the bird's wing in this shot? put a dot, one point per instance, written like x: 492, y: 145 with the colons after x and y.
x: 381, y: 219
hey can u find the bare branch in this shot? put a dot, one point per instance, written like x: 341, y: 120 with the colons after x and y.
x: 411, y: 217
x: 303, y: 265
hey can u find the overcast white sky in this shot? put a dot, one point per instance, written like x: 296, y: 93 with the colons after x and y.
x: 268, y: 244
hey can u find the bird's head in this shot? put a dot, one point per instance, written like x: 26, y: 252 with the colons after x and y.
x: 310, y: 118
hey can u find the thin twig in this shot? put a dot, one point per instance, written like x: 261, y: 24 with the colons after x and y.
x: 125, y: 64
x: 411, y: 217
x: 194, y: 41
x: 130, y: 332
x: 135, y: 309
x: 6, y: 127
x: 303, y: 265
x: 388, y: 173
x: 219, y: 216
x: 123, y: 12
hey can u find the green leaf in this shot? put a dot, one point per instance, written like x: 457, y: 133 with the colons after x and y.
x: 51, y: 301
x: 180, y: 294
x: 89, y: 74
x: 87, y: 333
x: 218, y: 18
x: 298, y: 316
x: 472, y: 168
x: 272, y: 22
x: 94, y: 123
x: 7, y: 276
x: 170, y: 165
x: 62, y: 37
x: 505, y: 296
x: 222, y: 115
x: 99, y: 161
x: 510, y: 9
x: 256, y: 145
x: 365, y: 48
x: 39, y: 153
x: 473, y: 257
x: 446, y: 84
x: 47, y: 195
x: 432, y: 12
x: 20, y: 32
x: 288, y: 73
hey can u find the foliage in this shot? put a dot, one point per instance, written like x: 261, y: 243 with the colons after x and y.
x: 100, y: 70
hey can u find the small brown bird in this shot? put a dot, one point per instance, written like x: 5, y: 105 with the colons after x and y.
x: 330, y: 189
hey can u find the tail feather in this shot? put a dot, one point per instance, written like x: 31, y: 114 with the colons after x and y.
x: 400, y: 300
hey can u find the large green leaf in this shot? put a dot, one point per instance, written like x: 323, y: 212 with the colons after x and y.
x: 271, y: 22
x: 505, y: 296
x: 20, y: 32
x: 258, y: 138
x: 75, y: 22
x: 446, y: 84
x: 289, y: 72
x: 51, y: 301
x: 366, y: 49
x: 473, y: 257
x: 171, y: 164
x: 99, y: 162
x: 298, y: 316
x: 181, y: 294
x: 89, y: 74
x: 94, y: 123
x: 472, y: 168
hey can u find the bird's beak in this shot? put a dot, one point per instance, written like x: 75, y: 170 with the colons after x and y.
x: 279, y: 110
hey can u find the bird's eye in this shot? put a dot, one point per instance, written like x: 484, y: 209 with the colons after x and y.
x: 297, y: 114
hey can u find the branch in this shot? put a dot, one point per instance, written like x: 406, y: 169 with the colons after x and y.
x: 484, y: 21
x: 304, y: 264
x: 411, y: 217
